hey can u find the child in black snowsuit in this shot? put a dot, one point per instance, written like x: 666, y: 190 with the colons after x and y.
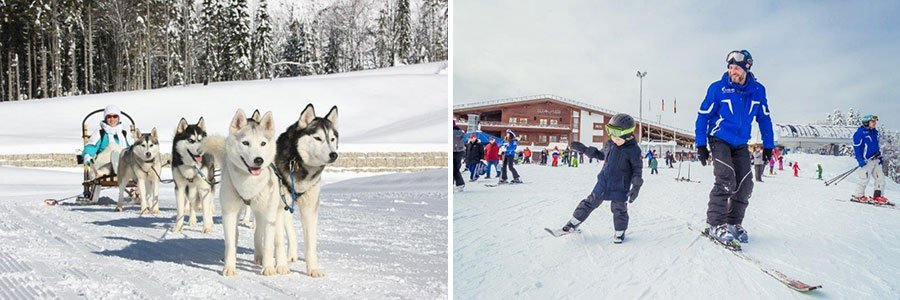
x: 619, y: 180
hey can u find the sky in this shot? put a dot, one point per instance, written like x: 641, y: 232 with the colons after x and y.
x: 812, y: 56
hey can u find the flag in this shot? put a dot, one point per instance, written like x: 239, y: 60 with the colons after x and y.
x: 663, y: 105
x: 675, y: 106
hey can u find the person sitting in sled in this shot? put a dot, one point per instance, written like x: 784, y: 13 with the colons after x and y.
x: 102, y: 151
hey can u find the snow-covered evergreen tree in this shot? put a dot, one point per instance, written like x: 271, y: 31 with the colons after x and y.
x: 384, y: 41
x: 262, y: 42
x: 403, y: 45
x: 209, y: 41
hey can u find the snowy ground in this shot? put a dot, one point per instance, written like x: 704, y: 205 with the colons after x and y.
x: 399, y: 109
x: 796, y: 225
x: 379, y: 237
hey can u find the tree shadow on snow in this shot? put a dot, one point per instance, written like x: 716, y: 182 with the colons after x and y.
x: 203, y: 254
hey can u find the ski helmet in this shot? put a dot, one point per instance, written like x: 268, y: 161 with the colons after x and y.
x: 741, y: 58
x: 620, y: 125
x: 865, y: 119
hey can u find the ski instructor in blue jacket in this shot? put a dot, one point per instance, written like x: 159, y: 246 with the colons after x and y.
x: 723, y: 129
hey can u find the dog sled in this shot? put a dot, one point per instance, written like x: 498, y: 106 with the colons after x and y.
x: 92, y: 187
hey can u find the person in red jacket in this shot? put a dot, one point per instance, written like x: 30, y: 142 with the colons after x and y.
x: 492, y: 156
x: 796, y: 169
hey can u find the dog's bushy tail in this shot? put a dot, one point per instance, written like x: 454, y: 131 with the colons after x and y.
x: 215, y: 145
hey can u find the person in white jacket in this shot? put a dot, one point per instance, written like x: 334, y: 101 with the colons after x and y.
x: 102, y: 151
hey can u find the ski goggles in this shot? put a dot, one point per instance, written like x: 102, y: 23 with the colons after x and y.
x: 618, y: 131
x: 738, y: 56
x: 868, y: 118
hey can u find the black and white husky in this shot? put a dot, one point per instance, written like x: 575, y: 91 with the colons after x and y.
x: 193, y: 172
x: 304, y: 150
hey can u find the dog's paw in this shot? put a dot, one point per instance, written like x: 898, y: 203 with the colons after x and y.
x: 268, y: 271
x: 257, y: 258
x: 177, y: 228
x: 192, y: 222
x: 282, y: 270
x: 155, y: 211
x: 316, y: 273
x: 207, y: 229
x: 228, y: 271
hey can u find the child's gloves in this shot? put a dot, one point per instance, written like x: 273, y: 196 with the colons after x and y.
x: 633, y: 193
x: 703, y: 154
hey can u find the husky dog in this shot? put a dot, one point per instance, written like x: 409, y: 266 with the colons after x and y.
x: 304, y: 150
x: 247, y: 179
x: 141, y: 163
x: 193, y: 172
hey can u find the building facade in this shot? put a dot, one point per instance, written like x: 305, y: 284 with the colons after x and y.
x: 544, y: 119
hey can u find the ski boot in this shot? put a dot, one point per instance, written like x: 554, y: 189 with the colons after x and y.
x: 459, y: 188
x: 502, y: 181
x: 516, y: 180
x: 739, y: 233
x: 721, y: 233
x: 879, y: 199
x: 619, y: 237
x: 571, y: 228
x: 860, y: 199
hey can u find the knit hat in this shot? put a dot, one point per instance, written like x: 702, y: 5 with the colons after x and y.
x: 472, y: 136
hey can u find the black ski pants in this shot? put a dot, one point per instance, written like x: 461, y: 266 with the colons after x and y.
x: 731, y: 192
x: 508, y: 162
x: 619, y: 210
x: 457, y: 164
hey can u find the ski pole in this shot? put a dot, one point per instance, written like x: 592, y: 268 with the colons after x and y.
x: 840, y: 177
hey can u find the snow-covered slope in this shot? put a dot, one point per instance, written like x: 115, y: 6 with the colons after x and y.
x: 398, y: 109
x: 386, y: 244
x: 796, y: 225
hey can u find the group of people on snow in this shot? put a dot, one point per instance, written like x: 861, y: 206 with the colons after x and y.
x: 480, y: 158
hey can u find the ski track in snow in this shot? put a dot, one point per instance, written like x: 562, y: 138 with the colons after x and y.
x: 387, y: 244
x: 501, y: 250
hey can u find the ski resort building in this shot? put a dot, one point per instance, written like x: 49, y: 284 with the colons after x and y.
x: 543, y: 119
x: 817, y: 139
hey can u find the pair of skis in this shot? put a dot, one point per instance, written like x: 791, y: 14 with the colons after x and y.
x: 890, y: 205
x: 734, y: 248
x: 499, y: 184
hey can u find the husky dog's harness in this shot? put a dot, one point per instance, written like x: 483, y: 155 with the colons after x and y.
x: 294, y: 195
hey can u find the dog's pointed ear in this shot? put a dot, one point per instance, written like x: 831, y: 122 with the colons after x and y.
x: 332, y: 116
x: 238, y: 122
x: 201, y: 124
x: 182, y: 125
x: 153, y: 134
x: 268, y: 124
x: 255, y: 115
x: 307, y: 116
x: 137, y: 133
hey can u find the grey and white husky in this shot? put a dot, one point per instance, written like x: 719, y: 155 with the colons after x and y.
x: 247, y: 179
x: 304, y: 150
x: 193, y: 171
x: 141, y: 163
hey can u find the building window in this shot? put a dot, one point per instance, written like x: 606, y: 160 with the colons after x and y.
x: 523, y: 137
x: 554, y: 122
x: 543, y: 122
x: 523, y: 120
x: 575, y: 113
x: 543, y: 138
x: 575, y: 122
x: 564, y: 139
x: 553, y: 138
x: 512, y: 120
x: 598, y: 126
x: 597, y: 139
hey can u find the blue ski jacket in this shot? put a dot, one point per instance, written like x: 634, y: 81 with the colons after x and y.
x: 865, y: 144
x: 728, y: 110
x: 622, y: 169
x: 511, y: 148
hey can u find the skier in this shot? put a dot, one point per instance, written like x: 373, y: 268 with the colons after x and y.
x: 723, y: 127
x: 574, y: 159
x: 509, y: 158
x: 758, y: 165
x: 781, y: 163
x: 459, y: 150
x: 654, y: 163
x: 474, y: 155
x: 527, y: 155
x: 796, y: 169
x: 619, y: 179
x: 868, y: 155
x: 819, y: 170
x: 492, y: 156
x: 771, y: 166
x: 555, y: 156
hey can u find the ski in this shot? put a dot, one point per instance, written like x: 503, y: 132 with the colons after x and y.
x: 890, y: 205
x: 560, y: 232
x: 792, y: 283
x: 499, y: 184
x: 686, y: 180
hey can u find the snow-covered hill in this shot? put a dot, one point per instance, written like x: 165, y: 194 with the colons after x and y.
x: 398, y: 109
x: 796, y: 225
x: 386, y: 244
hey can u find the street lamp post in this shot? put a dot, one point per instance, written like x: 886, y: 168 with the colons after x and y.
x: 641, y: 75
